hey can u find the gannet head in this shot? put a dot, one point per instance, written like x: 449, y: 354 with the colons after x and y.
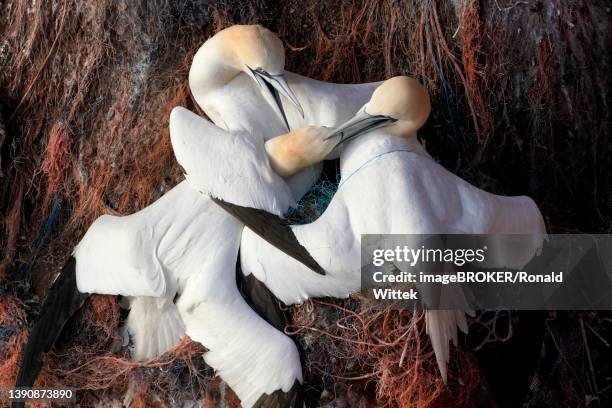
x: 250, y: 49
x: 400, y: 105
x: 298, y: 149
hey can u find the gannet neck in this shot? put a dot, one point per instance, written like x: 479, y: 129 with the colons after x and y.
x: 403, y: 99
x: 249, y: 49
x: 213, y: 67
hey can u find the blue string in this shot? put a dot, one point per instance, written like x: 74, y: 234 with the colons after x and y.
x: 321, y: 194
x: 318, y: 197
x: 48, y: 227
x: 6, y: 332
x: 370, y: 160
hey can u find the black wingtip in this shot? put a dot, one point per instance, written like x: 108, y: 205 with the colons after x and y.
x: 61, y: 303
x: 260, y: 298
x: 294, y: 398
x: 274, y: 230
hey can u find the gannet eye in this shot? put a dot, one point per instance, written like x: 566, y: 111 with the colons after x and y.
x: 263, y: 72
x: 258, y: 71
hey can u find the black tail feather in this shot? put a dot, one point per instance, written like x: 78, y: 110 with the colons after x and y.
x: 260, y: 298
x: 267, y: 306
x: 62, y: 302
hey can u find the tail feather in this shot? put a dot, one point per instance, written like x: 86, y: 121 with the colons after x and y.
x: 260, y: 298
x: 441, y: 325
x: 155, y: 326
x: 62, y: 302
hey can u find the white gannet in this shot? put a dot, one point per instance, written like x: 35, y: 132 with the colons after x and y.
x: 182, y: 243
x: 389, y: 185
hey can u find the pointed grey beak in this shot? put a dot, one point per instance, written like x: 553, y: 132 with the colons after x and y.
x: 358, y: 125
x: 273, y: 86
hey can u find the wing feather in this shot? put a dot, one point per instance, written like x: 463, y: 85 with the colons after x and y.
x: 118, y: 257
x: 232, y: 166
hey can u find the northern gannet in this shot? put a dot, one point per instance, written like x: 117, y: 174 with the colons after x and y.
x: 389, y: 185
x: 172, y: 251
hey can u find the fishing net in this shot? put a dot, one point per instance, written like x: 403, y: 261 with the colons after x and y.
x: 520, y: 106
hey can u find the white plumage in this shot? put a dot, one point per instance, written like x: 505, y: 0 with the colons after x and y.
x: 232, y: 166
x: 387, y: 186
x: 156, y: 315
x: 185, y: 246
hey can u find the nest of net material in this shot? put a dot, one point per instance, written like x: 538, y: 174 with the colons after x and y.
x: 520, y: 107
x: 358, y: 356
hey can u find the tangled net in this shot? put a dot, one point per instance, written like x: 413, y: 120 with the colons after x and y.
x: 520, y: 96
x: 383, y: 350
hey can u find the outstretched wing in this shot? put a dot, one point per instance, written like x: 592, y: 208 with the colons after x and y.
x: 231, y: 166
x: 118, y: 256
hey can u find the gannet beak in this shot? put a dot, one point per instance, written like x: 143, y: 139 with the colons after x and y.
x: 358, y: 125
x: 273, y: 86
